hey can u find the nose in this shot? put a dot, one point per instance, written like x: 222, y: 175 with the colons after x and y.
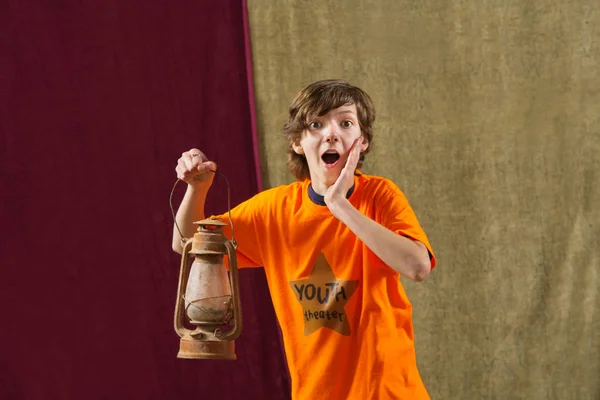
x: 331, y: 134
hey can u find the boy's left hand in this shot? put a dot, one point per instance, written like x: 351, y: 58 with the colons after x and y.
x: 346, y: 179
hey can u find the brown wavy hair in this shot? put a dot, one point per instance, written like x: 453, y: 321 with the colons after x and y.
x: 318, y: 99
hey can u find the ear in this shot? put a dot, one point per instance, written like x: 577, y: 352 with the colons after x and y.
x: 297, y: 148
x: 364, y: 145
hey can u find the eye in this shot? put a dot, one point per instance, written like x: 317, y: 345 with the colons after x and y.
x: 347, y: 124
x: 315, y: 125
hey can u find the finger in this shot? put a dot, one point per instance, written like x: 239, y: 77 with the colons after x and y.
x: 348, y: 170
x: 186, y: 158
x: 183, y: 165
x: 358, y: 144
x: 196, y: 153
x: 359, y: 148
x: 198, y: 157
x: 354, y: 156
x: 356, y: 153
x: 179, y: 171
x: 182, y: 172
x: 206, y: 166
x: 195, y: 156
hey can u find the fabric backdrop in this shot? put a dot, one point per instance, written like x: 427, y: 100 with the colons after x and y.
x: 97, y: 102
x: 489, y: 120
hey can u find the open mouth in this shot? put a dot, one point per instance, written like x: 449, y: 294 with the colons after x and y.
x: 330, y: 158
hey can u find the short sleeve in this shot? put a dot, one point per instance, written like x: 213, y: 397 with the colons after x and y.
x: 245, y: 232
x: 397, y: 215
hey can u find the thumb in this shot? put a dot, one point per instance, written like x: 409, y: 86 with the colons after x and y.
x: 212, y: 165
x: 207, y: 166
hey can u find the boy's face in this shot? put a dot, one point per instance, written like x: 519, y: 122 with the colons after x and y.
x: 326, y: 144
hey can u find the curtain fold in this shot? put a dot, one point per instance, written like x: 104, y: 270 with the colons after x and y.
x: 488, y: 118
x: 97, y: 103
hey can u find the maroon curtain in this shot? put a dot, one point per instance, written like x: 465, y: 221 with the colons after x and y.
x: 97, y: 102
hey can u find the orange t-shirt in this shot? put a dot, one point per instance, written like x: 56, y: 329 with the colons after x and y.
x: 345, y: 317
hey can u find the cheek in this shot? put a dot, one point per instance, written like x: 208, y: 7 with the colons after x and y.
x: 356, y: 133
x: 350, y: 139
x: 311, y: 143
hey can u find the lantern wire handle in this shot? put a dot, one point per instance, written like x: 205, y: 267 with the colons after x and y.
x: 228, y: 208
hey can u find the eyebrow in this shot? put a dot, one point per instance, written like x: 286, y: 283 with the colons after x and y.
x: 337, y: 113
x: 347, y: 112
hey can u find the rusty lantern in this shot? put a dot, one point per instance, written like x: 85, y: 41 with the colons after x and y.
x: 206, y: 298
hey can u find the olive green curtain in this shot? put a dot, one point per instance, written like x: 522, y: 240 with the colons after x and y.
x: 489, y: 120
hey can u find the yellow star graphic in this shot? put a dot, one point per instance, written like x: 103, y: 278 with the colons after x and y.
x: 323, y: 298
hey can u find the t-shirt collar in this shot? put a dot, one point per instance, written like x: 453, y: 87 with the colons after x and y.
x: 320, y: 200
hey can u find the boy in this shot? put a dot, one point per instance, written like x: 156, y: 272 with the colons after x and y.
x: 333, y: 246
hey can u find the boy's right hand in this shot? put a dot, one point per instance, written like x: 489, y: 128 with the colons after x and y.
x: 194, y: 168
